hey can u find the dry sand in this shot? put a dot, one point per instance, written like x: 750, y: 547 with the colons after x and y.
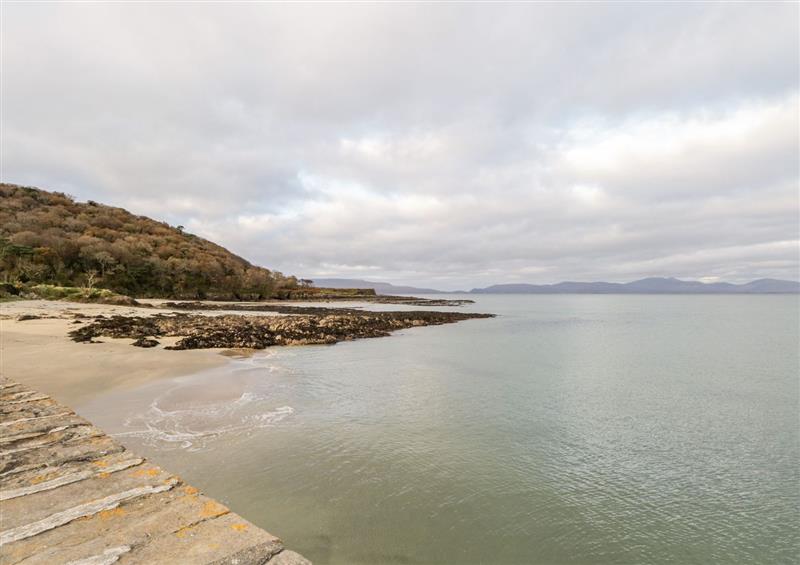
x: 38, y: 353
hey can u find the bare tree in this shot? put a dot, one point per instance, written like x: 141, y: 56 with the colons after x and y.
x: 91, y: 278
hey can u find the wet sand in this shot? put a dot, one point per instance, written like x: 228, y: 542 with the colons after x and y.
x: 38, y: 353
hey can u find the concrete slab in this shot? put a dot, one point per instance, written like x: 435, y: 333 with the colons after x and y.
x: 71, y: 494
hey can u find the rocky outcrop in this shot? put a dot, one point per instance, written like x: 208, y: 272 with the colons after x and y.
x: 283, y: 308
x: 258, y: 332
x: 414, y: 301
x: 267, y: 308
x: 365, y: 295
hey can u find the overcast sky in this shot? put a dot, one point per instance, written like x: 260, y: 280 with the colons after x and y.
x: 451, y: 145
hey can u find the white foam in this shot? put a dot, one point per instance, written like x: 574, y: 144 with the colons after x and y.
x: 195, y: 427
x: 273, y: 417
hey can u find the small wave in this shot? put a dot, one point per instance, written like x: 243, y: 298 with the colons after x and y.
x: 195, y: 427
x: 257, y: 359
x: 246, y: 398
x: 273, y: 417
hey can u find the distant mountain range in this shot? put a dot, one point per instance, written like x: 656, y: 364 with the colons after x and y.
x: 646, y: 286
x: 654, y: 285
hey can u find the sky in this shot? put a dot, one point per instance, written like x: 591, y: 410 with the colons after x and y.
x: 445, y: 145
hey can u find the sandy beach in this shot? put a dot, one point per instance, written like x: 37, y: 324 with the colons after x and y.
x: 36, y: 349
x: 38, y: 353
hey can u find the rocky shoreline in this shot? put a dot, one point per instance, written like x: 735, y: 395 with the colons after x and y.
x: 258, y: 332
x: 272, y: 306
x: 414, y: 300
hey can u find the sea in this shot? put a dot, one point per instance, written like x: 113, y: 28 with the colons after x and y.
x: 569, y: 429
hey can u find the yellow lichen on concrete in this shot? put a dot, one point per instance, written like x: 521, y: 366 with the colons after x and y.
x: 113, y: 513
x: 212, y: 509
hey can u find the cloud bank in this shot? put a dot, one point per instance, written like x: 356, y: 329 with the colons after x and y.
x: 441, y: 144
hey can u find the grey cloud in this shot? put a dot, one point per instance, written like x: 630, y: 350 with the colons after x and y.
x: 458, y: 144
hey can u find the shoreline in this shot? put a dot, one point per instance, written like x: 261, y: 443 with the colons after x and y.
x: 38, y: 339
x: 40, y: 354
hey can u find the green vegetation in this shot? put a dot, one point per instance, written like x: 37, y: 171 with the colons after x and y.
x: 9, y: 292
x: 306, y: 292
x: 73, y: 294
x: 47, y: 238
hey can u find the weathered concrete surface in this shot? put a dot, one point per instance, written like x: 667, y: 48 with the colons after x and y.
x: 70, y: 494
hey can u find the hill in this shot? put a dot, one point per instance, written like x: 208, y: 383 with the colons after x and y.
x: 48, y: 237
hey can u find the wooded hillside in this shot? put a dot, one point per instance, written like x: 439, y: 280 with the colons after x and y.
x: 48, y: 237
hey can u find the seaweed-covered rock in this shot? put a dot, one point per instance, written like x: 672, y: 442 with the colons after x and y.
x: 26, y: 317
x: 258, y: 332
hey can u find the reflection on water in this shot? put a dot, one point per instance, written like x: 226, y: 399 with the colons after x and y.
x: 571, y: 429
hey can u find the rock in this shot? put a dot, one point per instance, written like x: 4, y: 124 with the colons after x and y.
x: 257, y: 332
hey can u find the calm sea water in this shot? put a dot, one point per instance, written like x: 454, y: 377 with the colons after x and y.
x: 569, y: 429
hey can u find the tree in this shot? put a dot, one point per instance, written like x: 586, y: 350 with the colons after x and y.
x: 105, y: 260
x: 91, y: 277
x: 13, y: 258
